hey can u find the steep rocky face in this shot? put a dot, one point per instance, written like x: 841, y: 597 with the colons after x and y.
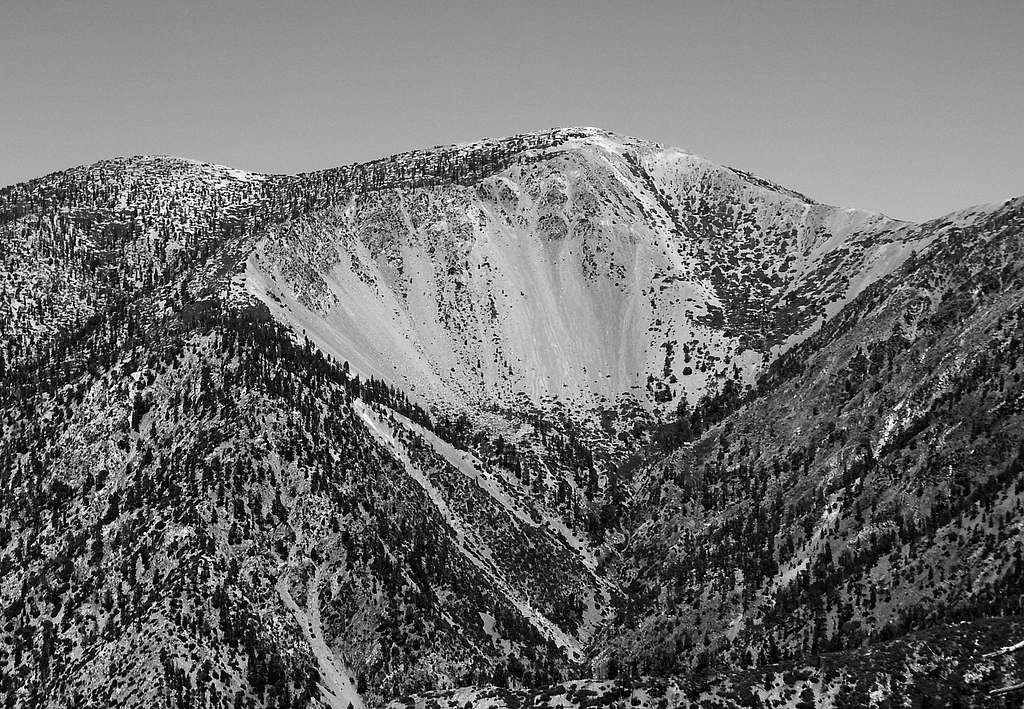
x: 561, y: 406
x: 590, y: 269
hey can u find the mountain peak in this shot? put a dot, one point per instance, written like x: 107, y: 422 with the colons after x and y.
x: 567, y: 405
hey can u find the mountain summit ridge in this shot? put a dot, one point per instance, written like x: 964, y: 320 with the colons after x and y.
x: 532, y: 140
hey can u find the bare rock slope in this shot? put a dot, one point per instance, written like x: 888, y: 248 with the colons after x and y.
x: 592, y: 266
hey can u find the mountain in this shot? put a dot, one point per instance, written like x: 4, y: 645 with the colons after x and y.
x: 570, y: 415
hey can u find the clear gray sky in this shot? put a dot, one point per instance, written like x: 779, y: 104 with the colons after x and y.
x: 913, y: 108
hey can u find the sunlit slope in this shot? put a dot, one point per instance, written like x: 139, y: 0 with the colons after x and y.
x: 591, y: 268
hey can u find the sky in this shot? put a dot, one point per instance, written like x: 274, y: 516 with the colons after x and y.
x: 913, y: 108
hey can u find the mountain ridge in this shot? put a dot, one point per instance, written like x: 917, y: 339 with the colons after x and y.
x: 545, y: 138
x: 561, y: 407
